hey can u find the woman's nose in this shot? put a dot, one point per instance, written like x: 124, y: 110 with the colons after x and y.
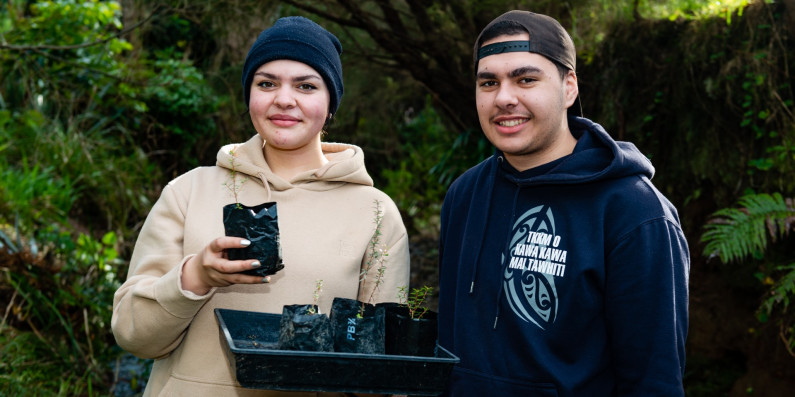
x: 284, y: 98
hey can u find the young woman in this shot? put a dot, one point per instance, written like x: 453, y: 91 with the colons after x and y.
x: 179, y: 273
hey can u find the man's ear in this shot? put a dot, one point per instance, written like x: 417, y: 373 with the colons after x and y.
x: 572, y: 89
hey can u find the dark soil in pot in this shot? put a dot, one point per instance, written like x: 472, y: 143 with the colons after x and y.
x: 406, y: 336
x: 354, y: 333
x: 303, y: 328
x: 260, y: 225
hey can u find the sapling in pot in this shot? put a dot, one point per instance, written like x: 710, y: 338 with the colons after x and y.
x: 303, y: 327
x: 415, y: 301
x: 411, y: 327
x: 258, y: 224
x: 359, y: 325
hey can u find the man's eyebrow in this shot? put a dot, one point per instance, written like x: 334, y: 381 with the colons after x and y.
x: 524, y: 70
x: 485, y: 75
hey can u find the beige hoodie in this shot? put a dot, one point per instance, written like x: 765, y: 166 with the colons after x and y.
x: 326, y: 220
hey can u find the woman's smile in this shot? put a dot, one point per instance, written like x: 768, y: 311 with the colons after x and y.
x: 284, y: 121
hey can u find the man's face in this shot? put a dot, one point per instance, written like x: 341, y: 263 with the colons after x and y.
x: 522, y: 101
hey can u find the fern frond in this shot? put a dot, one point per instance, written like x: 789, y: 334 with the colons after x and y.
x: 782, y: 291
x: 734, y: 233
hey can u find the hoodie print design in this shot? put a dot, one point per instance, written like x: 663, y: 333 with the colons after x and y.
x: 536, y: 259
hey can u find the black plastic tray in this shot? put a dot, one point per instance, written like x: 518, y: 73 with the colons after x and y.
x: 250, y: 338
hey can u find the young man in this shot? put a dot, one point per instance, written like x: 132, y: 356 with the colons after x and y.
x: 564, y: 271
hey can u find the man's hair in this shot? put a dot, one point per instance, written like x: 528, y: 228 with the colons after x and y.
x: 510, y: 28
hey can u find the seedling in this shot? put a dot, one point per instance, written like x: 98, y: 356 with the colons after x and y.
x: 376, y: 258
x: 234, y: 185
x: 415, y: 300
x: 316, y: 298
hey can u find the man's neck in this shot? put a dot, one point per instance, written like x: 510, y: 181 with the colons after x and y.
x: 562, y: 146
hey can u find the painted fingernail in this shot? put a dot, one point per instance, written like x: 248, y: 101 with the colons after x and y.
x: 245, y: 243
x: 266, y: 279
x: 256, y: 264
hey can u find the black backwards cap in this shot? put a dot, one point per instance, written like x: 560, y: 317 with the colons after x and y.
x: 547, y: 38
x: 298, y: 39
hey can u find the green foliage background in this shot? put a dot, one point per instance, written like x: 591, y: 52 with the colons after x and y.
x: 103, y: 102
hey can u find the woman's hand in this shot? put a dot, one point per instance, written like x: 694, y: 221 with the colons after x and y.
x: 210, y: 268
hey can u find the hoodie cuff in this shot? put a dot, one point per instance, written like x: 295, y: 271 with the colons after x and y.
x: 177, y: 301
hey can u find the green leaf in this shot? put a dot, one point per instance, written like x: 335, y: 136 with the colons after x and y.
x: 735, y: 233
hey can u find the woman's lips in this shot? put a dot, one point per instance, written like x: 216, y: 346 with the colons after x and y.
x: 284, y: 120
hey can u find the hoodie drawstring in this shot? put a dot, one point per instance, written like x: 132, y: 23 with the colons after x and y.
x: 490, y: 188
x: 506, y: 252
x: 267, y: 185
x: 487, y: 204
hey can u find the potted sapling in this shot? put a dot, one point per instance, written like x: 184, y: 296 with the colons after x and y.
x: 359, y: 325
x: 258, y: 224
x: 411, y: 327
x: 303, y: 327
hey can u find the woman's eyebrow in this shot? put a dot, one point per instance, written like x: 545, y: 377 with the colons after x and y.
x: 265, y: 75
x: 307, y: 77
x: 297, y: 78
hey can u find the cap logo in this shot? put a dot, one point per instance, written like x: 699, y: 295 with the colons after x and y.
x: 502, y: 47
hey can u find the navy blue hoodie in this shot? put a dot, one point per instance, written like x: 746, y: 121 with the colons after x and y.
x: 568, y: 279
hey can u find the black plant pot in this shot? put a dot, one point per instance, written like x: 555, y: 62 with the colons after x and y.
x: 260, y: 225
x: 406, y: 336
x: 354, y: 333
x: 301, y: 329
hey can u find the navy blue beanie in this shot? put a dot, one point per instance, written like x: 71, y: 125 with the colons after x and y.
x: 298, y: 39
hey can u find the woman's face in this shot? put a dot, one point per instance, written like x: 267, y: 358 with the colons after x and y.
x: 288, y: 104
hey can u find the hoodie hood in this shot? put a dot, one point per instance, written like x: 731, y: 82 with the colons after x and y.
x: 595, y: 157
x: 345, y: 165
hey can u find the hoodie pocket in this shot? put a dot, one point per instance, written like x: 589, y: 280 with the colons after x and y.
x: 464, y: 383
